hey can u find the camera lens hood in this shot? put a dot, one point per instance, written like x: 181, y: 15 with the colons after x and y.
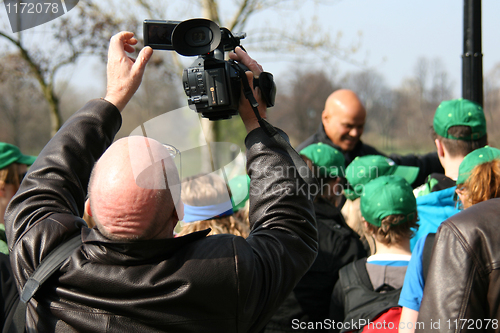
x: 195, y: 37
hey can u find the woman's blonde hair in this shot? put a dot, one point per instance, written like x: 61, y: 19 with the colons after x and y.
x: 220, y: 225
x: 10, y: 175
x: 210, y: 189
x: 484, y: 182
x: 204, y: 190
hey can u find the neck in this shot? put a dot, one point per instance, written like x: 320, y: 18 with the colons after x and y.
x: 401, y: 248
x: 451, y: 165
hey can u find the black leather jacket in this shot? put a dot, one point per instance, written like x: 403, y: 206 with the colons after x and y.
x: 220, y: 283
x: 463, y: 283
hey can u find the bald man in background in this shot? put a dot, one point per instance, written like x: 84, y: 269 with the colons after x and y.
x: 343, y: 122
x: 130, y: 273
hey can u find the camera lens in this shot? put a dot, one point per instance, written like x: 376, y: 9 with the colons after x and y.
x: 198, y: 36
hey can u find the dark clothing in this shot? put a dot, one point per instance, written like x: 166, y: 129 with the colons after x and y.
x: 463, y: 283
x: 8, y: 288
x: 310, y: 299
x: 195, y: 283
x: 427, y: 163
x: 360, y: 149
x: 365, y: 290
x: 439, y: 181
x: 435, y: 182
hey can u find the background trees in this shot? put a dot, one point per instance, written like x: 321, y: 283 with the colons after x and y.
x: 36, y: 97
x: 85, y: 30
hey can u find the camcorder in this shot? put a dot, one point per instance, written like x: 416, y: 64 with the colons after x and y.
x: 213, y: 85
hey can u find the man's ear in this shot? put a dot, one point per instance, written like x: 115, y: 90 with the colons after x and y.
x: 440, y: 148
x: 87, y: 208
x: 366, y: 226
x: 325, y: 115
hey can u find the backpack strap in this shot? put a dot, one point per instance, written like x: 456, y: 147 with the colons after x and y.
x: 426, y: 254
x: 360, y: 267
x: 46, y: 268
x: 354, y: 273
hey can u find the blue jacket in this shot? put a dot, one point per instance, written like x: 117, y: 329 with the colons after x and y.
x: 433, y: 208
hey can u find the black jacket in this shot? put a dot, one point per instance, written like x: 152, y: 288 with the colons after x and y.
x: 463, y: 283
x: 427, y: 163
x: 195, y: 283
x: 310, y: 299
x: 9, y: 296
x: 361, y: 149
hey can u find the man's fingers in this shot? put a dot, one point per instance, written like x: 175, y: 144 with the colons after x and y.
x: 132, y: 41
x: 142, y: 59
x: 246, y: 60
x: 129, y: 48
x: 118, y: 40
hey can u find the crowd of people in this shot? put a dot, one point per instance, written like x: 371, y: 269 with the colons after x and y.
x: 386, y: 243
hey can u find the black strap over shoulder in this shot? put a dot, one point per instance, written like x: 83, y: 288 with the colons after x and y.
x: 360, y: 266
x: 302, y: 168
x: 426, y: 254
x: 361, y: 301
x: 355, y: 273
x: 46, y: 268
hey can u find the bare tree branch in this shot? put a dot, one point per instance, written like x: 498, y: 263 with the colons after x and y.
x: 46, y: 86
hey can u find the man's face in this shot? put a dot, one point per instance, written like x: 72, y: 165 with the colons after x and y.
x: 344, y: 125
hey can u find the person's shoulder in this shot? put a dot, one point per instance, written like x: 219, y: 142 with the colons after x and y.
x: 438, y: 198
x: 482, y: 218
x: 366, y: 149
x: 476, y: 230
x: 309, y: 141
x: 419, y: 247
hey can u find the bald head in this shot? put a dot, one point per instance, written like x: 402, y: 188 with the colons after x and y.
x: 344, y: 118
x: 133, y: 190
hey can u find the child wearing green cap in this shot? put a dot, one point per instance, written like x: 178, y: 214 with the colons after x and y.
x: 479, y: 176
x: 13, y: 167
x: 362, y: 170
x: 371, y: 286
x: 467, y: 285
x: 478, y: 180
x: 459, y: 127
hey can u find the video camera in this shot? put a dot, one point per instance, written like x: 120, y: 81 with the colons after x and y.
x: 213, y: 85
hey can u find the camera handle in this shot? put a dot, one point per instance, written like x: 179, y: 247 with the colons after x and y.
x: 303, y: 170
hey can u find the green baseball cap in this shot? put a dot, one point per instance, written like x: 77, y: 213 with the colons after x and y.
x: 11, y: 154
x: 388, y: 195
x: 460, y: 112
x: 474, y: 158
x: 330, y: 161
x: 240, y: 191
x: 366, y: 168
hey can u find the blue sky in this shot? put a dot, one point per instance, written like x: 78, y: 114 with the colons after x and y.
x: 395, y: 33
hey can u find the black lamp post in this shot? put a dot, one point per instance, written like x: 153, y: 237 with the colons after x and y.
x: 472, y: 59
